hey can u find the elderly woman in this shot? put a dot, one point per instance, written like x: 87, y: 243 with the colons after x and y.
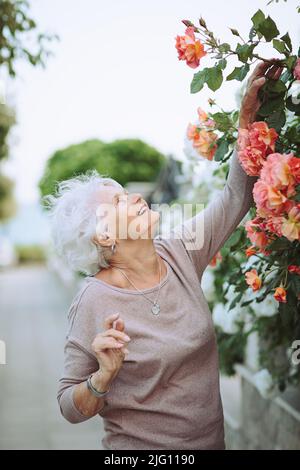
x: 140, y: 348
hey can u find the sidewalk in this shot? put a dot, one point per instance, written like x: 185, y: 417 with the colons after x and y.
x: 33, y: 310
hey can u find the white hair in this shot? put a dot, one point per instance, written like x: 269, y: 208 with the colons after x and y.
x: 73, y: 221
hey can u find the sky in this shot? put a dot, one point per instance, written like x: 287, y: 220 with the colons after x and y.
x: 115, y: 74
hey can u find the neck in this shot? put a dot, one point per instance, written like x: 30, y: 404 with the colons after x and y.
x: 137, y: 258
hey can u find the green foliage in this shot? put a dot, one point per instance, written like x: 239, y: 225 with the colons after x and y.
x: 7, y: 120
x: 30, y: 253
x: 123, y: 160
x: 7, y: 202
x: 16, y: 38
x: 231, y: 350
x: 280, y: 109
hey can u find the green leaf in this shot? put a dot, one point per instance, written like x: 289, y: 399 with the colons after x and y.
x: 199, y: 80
x: 222, y: 64
x: 236, y: 299
x: 290, y: 61
x: 268, y: 29
x: 280, y: 46
x: 286, y: 38
x: 234, y: 238
x: 275, y: 87
x: 239, y: 73
x: 222, y: 149
x: 277, y: 120
x: 245, y: 51
x: 214, y: 78
x: 225, y: 47
x: 258, y: 18
x: 279, y: 244
x: 271, y: 105
x: 222, y: 120
x: 286, y: 76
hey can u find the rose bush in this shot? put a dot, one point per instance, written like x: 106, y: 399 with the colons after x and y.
x: 260, y: 263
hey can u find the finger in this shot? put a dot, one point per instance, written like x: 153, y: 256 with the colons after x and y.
x: 272, y: 71
x: 116, y: 334
x: 255, y: 86
x: 119, y: 324
x: 259, y: 71
x: 278, y: 73
x: 106, y: 343
x: 108, y: 322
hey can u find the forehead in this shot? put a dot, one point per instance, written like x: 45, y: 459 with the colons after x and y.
x: 107, y: 193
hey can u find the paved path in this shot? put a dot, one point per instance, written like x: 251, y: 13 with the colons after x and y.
x: 33, y: 309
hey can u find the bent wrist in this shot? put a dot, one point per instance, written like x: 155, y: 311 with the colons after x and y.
x: 100, y: 381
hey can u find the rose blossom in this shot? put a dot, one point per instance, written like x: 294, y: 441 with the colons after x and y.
x: 291, y: 225
x: 268, y: 199
x: 261, y: 136
x: 280, y: 294
x: 253, y: 280
x: 293, y: 268
x: 254, y: 144
x: 294, y: 164
x: 274, y: 224
x: 251, y: 160
x: 255, y: 232
x: 297, y: 70
x: 277, y: 172
x: 190, y: 49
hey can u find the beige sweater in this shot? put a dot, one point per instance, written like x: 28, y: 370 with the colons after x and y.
x: 166, y: 394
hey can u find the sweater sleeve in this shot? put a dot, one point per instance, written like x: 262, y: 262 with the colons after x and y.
x: 206, y: 232
x: 78, y: 365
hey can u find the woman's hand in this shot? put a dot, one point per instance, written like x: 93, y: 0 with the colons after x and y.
x: 251, y: 103
x: 109, y: 347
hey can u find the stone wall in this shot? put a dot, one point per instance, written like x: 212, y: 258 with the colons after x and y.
x: 253, y: 422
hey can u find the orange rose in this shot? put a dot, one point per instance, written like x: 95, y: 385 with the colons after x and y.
x: 291, y: 225
x: 253, y: 280
x: 205, y: 143
x: 261, y: 136
x: 250, y: 251
x: 214, y: 260
x: 189, y: 48
x: 280, y: 294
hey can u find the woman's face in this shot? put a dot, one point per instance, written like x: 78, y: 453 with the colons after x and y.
x: 124, y: 215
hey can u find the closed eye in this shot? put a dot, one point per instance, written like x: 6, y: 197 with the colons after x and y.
x: 117, y: 197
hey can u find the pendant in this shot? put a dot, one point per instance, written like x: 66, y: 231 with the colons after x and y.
x: 155, y: 309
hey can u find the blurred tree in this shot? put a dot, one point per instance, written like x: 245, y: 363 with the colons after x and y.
x: 7, y: 204
x: 16, y: 41
x: 123, y: 160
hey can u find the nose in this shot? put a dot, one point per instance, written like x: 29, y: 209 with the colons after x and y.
x: 136, y: 197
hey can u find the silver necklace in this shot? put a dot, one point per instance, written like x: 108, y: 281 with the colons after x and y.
x: 155, y: 309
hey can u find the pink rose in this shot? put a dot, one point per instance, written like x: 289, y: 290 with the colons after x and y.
x: 269, y: 200
x: 276, y: 172
x: 274, y: 225
x: 297, y: 70
x: 291, y: 225
x: 294, y: 164
x: 255, y: 232
x: 263, y: 137
x: 251, y: 160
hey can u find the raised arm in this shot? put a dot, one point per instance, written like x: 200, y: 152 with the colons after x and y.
x: 211, y: 227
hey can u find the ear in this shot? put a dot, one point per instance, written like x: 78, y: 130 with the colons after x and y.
x: 103, y: 239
